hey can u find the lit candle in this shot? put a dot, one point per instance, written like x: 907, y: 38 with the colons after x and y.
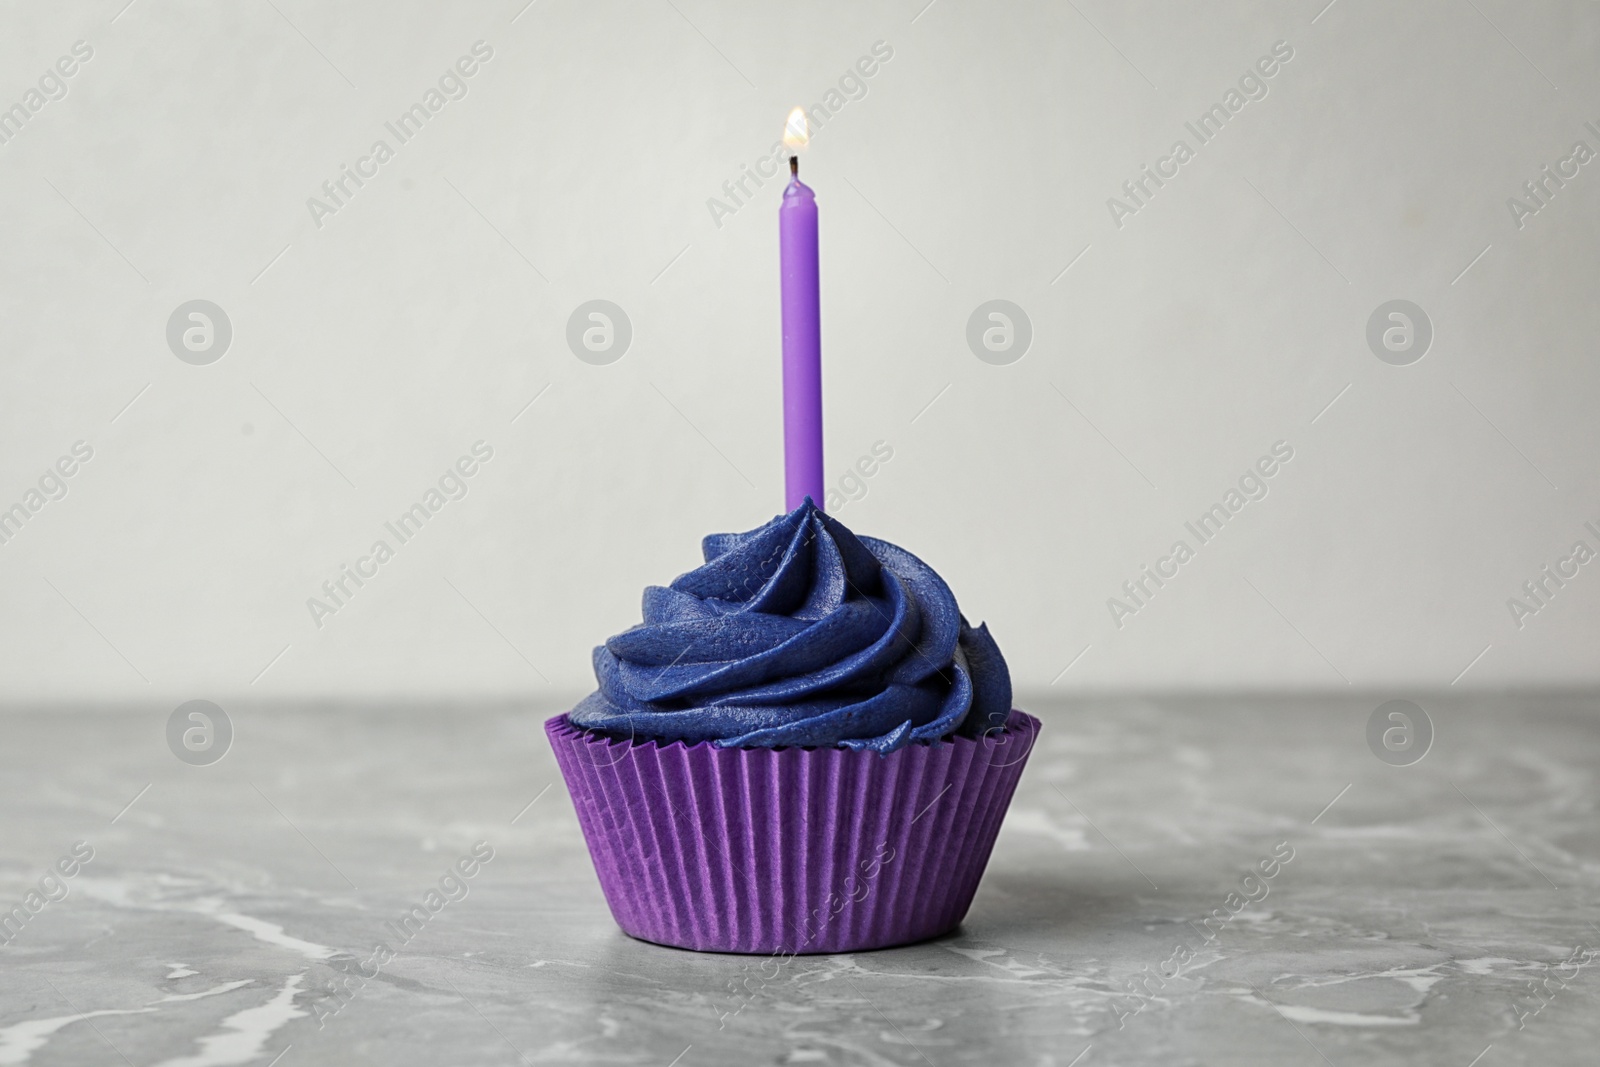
x: 802, y: 329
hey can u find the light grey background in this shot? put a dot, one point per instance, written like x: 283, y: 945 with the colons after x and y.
x: 1168, y: 353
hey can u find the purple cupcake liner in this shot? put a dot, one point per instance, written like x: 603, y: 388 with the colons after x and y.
x: 793, y: 850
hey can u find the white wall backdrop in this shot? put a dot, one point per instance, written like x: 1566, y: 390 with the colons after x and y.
x: 1176, y: 339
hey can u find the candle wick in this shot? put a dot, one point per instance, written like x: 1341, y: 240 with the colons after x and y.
x: 794, y: 166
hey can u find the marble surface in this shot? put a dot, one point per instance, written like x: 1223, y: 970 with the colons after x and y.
x: 1438, y: 913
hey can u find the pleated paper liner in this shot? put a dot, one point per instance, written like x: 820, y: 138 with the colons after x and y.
x: 793, y: 850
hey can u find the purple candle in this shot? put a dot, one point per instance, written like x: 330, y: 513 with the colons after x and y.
x: 802, y: 333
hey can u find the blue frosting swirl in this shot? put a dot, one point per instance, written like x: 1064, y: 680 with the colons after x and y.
x: 800, y: 633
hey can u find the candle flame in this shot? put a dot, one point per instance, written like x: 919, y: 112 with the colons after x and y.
x: 797, y: 131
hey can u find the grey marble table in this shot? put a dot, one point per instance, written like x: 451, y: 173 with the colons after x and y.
x: 1442, y: 912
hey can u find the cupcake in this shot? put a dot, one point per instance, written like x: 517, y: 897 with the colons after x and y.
x: 803, y: 748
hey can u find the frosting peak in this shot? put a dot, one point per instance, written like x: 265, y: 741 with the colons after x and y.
x: 800, y: 633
